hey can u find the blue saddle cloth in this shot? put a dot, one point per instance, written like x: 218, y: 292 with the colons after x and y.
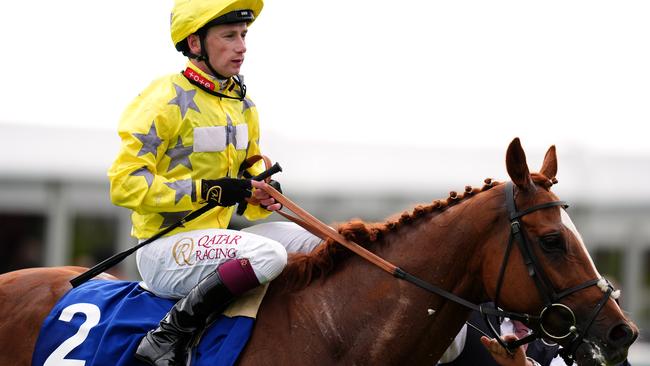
x: 101, y: 323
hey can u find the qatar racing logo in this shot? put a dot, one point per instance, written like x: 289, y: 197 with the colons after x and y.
x: 219, y: 246
x: 208, y: 247
x: 182, y: 252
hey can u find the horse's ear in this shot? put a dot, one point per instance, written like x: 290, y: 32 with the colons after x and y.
x: 549, y: 166
x: 517, y: 166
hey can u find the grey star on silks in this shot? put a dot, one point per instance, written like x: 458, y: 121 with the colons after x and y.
x: 170, y: 218
x: 231, y: 132
x: 144, y: 172
x: 183, y: 188
x: 247, y: 104
x: 150, y: 141
x: 184, y: 100
x: 180, y: 155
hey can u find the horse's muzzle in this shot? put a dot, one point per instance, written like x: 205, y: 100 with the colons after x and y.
x: 619, y: 339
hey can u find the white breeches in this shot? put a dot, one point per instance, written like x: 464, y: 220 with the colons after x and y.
x: 171, y: 266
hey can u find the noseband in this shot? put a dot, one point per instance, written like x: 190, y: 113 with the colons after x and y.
x: 549, y: 295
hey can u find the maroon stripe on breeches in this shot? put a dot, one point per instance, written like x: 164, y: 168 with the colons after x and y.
x: 238, y: 276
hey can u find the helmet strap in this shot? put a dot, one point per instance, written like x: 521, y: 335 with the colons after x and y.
x: 204, y: 57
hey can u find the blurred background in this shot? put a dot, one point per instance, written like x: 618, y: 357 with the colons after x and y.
x: 370, y: 107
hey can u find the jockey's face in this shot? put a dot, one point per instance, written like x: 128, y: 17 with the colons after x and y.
x: 225, y: 45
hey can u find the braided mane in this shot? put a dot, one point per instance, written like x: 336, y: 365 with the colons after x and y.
x: 303, y: 268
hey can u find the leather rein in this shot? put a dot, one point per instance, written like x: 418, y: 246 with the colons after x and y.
x: 545, y: 288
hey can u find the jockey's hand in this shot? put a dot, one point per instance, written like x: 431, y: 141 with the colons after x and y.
x: 264, y: 198
x: 501, y: 356
x: 225, y: 191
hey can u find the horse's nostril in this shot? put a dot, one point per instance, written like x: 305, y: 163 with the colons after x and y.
x: 622, y: 335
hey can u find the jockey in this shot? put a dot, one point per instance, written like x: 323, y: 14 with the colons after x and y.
x: 185, y: 135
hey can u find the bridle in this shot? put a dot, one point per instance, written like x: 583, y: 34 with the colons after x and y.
x: 552, y: 309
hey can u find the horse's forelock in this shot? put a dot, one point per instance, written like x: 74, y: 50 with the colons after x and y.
x: 542, y: 180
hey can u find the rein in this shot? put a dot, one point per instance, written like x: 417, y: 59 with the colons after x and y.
x: 545, y: 288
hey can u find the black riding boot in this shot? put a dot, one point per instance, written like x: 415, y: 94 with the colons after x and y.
x: 167, y: 345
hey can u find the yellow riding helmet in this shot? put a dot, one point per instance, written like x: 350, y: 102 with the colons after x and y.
x: 188, y: 16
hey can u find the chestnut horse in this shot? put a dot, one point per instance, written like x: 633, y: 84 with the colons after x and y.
x: 330, y: 307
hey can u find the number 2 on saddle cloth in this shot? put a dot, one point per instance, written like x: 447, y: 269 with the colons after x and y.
x: 101, y: 323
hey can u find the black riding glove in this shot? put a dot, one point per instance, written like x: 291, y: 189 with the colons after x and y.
x: 225, y: 191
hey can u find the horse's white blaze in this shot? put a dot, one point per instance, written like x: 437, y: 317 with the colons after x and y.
x: 566, y: 220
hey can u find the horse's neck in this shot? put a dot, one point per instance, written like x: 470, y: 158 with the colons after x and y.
x: 361, y: 314
x: 442, y: 250
x: 384, y: 320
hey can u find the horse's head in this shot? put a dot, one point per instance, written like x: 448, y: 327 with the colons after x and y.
x: 556, y: 281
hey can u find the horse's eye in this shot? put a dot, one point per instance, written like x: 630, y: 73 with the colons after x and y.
x: 552, y: 243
